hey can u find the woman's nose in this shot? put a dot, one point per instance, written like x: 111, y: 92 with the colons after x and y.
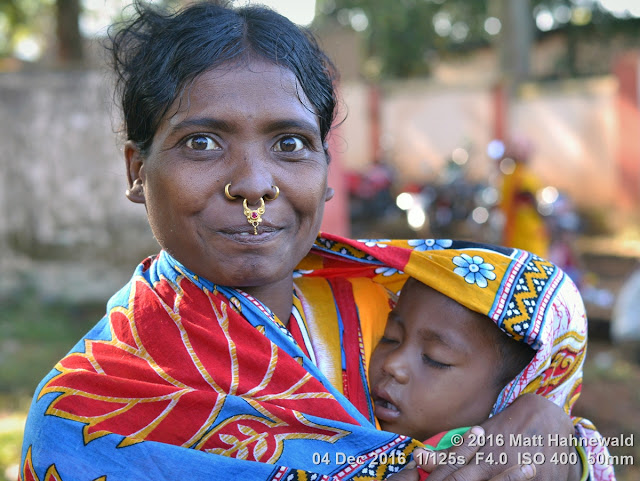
x: 251, y: 179
x: 395, y: 365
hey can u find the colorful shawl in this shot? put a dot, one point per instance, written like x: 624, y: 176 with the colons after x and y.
x: 184, y: 378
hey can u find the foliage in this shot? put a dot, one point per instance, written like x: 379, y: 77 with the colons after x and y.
x: 33, y: 22
x: 403, y: 37
x: 20, y: 19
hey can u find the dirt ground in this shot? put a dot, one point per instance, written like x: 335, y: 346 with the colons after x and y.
x: 611, y: 399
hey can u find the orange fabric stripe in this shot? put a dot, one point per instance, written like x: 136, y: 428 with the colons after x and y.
x: 322, y: 320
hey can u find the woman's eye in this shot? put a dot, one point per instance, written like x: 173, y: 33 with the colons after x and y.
x: 433, y: 363
x: 202, y: 142
x: 289, y: 144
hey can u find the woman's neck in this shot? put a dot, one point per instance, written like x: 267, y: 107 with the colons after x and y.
x: 277, y: 296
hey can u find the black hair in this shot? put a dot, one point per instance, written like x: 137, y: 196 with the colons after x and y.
x: 515, y: 357
x: 157, y: 53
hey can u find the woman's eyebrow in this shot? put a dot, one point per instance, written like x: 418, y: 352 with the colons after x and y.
x: 204, y: 122
x: 292, y: 124
x: 279, y: 125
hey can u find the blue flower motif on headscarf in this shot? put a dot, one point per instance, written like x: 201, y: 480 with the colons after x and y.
x: 474, y: 269
x: 387, y: 271
x: 301, y: 272
x: 374, y: 242
x: 430, y: 244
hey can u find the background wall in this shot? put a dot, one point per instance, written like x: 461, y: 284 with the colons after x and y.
x: 67, y: 229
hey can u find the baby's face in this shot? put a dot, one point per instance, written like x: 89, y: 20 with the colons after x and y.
x: 435, y: 368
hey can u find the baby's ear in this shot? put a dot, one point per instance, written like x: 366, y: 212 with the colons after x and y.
x: 135, y: 172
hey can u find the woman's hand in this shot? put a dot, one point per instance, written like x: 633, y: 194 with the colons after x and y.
x: 531, y: 419
x: 459, y: 463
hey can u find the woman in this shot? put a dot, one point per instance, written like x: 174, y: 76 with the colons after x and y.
x: 212, y: 361
x: 524, y: 226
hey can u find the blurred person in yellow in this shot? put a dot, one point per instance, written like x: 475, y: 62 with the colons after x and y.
x: 524, y: 227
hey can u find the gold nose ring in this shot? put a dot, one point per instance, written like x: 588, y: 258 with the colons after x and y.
x: 227, y: 194
x: 275, y: 196
x: 254, y: 216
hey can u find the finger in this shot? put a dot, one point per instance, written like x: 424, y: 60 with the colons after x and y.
x: 450, y: 459
x: 471, y: 472
x: 514, y: 473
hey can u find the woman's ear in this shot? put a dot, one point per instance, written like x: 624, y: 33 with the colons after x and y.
x: 329, y: 194
x: 327, y: 154
x: 135, y: 172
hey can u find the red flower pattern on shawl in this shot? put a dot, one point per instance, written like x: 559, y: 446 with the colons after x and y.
x: 29, y: 474
x: 173, y: 360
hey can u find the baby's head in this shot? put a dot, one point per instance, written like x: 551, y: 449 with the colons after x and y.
x: 439, y: 365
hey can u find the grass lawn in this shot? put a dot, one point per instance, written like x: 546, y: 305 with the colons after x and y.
x: 35, y: 335
x: 13, y: 412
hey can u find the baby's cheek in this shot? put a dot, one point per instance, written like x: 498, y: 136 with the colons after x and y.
x: 429, y: 409
x: 419, y: 410
x: 374, y: 364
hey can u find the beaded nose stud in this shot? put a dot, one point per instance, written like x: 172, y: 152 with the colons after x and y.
x: 254, y: 216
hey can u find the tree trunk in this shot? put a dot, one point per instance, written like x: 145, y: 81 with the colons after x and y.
x: 515, y: 40
x: 68, y: 32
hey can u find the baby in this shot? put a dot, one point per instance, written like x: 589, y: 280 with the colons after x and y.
x: 439, y: 365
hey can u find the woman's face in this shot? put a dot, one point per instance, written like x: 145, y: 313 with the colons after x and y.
x: 250, y: 126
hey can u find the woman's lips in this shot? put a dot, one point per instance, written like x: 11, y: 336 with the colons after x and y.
x: 248, y: 237
x: 245, y: 234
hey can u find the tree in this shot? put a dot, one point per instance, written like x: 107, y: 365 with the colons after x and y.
x: 12, y: 18
x: 403, y: 36
x: 30, y: 19
x: 68, y: 31
x: 42, y: 20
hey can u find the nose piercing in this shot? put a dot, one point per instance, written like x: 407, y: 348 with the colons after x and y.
x: 275, y: 196
x: 227, y: 194
x: 254, y: 216
x: 233, y: 197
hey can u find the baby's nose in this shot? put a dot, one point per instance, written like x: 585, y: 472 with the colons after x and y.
x: 395, y: 365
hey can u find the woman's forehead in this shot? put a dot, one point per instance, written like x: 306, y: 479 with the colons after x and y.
x: 243, y: 85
